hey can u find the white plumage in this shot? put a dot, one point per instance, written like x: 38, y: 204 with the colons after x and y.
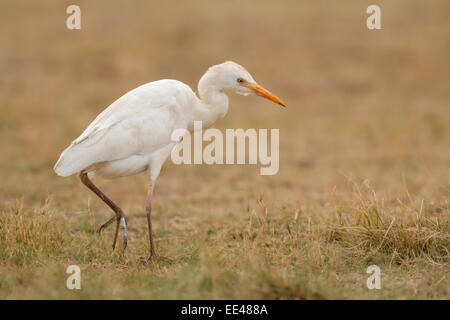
x: 134, y: 133
x: 125, y: 137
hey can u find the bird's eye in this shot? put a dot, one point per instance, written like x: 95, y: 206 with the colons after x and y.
x: 240, y: 80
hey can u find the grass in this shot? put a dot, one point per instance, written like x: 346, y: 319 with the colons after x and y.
x: 364, y: 158
x: 305, y: 252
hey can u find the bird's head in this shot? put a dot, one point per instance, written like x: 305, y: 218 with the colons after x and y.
x: 230, y: 76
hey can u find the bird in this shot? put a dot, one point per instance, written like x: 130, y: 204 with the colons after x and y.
x: 133, y: 134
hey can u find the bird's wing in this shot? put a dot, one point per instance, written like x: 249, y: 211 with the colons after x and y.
x: 139, y: 122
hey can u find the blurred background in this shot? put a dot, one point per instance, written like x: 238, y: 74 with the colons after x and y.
x: 369, y: 103
x: 363, y: 105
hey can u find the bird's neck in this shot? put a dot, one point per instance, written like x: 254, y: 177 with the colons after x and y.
x: 214, y: 102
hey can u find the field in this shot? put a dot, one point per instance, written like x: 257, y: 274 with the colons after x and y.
x: 364, y: 173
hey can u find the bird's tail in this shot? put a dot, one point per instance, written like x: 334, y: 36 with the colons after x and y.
x: 71, y: 162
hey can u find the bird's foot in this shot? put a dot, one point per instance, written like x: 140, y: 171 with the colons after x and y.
x: 125, y: 242
x: 103, y: 226
x: 144, y: 260
x: 150, y: 258
x: 125, y: 233
x: 124, y: 246
x: 106, y: 224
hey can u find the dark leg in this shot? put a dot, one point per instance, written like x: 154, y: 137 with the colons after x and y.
x: 149, y: 220
x: 120, y: 217
x: 106, y: 224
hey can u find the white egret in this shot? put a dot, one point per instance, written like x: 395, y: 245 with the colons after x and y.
x: 134, y: 133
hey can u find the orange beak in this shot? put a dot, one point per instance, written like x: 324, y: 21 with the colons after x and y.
x: 260, y: 91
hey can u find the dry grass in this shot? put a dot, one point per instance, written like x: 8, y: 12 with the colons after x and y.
x: 364, y: 173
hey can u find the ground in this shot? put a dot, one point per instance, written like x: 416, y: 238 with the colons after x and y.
x: 364, y: 173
